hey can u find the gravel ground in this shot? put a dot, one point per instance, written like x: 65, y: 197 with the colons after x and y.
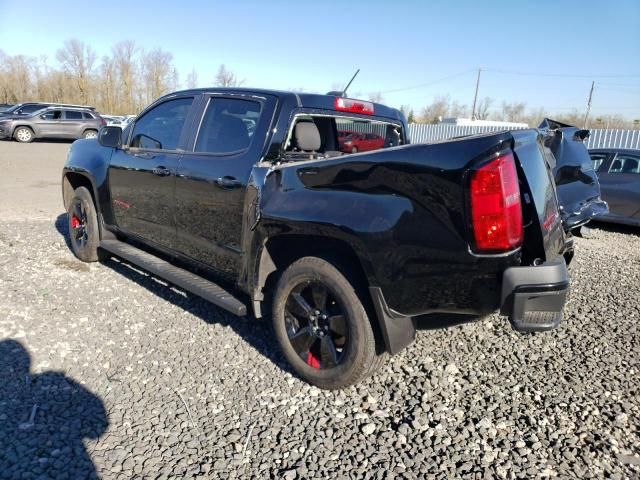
x: 106, y: 371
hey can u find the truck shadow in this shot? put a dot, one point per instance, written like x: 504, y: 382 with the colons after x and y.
x: 257, y: 332
x: 44, y: 418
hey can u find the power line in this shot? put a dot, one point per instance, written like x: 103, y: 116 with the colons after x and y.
x: 566, y: 75
x: 430, y: 83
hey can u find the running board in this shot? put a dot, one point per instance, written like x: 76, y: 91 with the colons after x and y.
x: 175, y: 275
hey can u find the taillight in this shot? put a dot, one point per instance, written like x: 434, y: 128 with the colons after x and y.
x: 353, y: 106
x: 102, y: 121
x: 496, y: 213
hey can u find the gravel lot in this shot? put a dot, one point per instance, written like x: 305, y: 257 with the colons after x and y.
x: 106, y: 371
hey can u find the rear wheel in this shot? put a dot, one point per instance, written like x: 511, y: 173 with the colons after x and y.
x: 83, y: 227
x: 354, y: 150
x: 90, y: 134
x: 321, y: 325
x: 23, y: 135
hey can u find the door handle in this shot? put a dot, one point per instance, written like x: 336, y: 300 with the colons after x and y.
x: 228, y: 182
x: 161, y: 171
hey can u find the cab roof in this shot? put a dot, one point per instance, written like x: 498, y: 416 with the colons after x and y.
x: 303, y: 100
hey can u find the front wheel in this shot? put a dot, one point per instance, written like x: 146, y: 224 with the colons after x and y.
x: 23, y: 135
x: 321, y: 325
x: 354, y: 150
x: 84, y: 234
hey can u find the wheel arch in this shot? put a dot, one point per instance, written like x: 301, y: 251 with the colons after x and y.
x: 72, y: 180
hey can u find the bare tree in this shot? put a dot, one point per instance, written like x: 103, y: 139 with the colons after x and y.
x: 513, y: 112
x: 124, y: 58
x: 482, y: 108
x: 78, y: 59
x: 159, y: 76
x: 192, y: 79
x: 226, y: 78
x: 437, y: 109
x: 376, y: 97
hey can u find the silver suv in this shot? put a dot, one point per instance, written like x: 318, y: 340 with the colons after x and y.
x: 52, y: 122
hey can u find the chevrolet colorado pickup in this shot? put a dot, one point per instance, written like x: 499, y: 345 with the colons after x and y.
x: 245, y: 198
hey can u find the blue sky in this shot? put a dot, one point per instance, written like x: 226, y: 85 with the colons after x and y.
x: 396, y: 44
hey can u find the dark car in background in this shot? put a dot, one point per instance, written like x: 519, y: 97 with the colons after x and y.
x: 5, y: 106
x: 27, y: 108
x: 52, y: 122
x: 619, y: 174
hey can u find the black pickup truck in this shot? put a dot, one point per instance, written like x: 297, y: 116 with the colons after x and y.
x: 262, y: 199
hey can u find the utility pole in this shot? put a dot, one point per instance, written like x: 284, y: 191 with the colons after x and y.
x: 475, y: 97
x: 586, y: 115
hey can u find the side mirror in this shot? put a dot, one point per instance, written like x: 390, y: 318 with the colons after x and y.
x: 110, y: 136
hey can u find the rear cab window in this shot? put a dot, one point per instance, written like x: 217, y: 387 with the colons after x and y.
x: 322, y: 135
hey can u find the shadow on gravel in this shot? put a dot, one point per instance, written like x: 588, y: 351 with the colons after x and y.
x: 255, y: 332
x: 44, y: 419
x: 614, y: 227
x: 437, y: 321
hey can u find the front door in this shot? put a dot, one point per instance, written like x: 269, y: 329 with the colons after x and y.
x: 48, y: 124
x: 620, y: 185
x: 142, y: 174
x: 212, y: 179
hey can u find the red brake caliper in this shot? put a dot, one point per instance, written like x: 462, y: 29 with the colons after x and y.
x: 75, y: 222
x: 312, y: 361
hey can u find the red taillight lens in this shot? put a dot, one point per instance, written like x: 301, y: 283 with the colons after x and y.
x: 353, y: 106
x: 496, y: 213
x: 102, y: 121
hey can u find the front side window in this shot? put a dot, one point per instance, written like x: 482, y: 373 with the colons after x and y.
x: 71, y: 115
x: 52, y: 115
x: 227, y: 126
x: 597, y: 159
x: 160, y: 128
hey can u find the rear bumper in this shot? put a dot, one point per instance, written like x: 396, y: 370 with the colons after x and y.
x: 533, y: 297
x: 582, y: 214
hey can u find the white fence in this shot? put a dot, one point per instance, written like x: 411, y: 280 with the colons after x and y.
x: 598, y: 138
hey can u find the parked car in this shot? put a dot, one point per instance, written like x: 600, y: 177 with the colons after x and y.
x: 52, y: 122
x: 5, y: 106
x: 113, y: 120
x: 619, y: 174
x: 347, y: 250
x: 361, y: 142
x: 28, y: 108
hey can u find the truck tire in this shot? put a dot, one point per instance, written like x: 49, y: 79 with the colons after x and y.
x: 84, y: 233
x: 23, y: 135
x: 322, y: 326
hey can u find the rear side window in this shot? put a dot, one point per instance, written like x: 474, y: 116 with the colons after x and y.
x: 160, y: 128
x: 87, y: 116
x: 227, y: 126
x: 71, y: 115
x: 625, y: 164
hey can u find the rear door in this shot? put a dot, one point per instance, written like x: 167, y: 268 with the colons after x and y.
x: 620, y: 183
x: 142, y: 173
x: 71, y: 124
x: 212, y: 177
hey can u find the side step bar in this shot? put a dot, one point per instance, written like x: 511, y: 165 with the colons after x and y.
x: 175, y: 275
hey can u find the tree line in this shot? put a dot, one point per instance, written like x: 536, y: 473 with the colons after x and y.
x: 130, y: 77
x: 120, y: 83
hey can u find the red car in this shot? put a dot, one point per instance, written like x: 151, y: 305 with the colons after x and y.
x: 360, y: 142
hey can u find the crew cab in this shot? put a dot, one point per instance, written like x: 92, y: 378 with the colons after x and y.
x: 244, y: 197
